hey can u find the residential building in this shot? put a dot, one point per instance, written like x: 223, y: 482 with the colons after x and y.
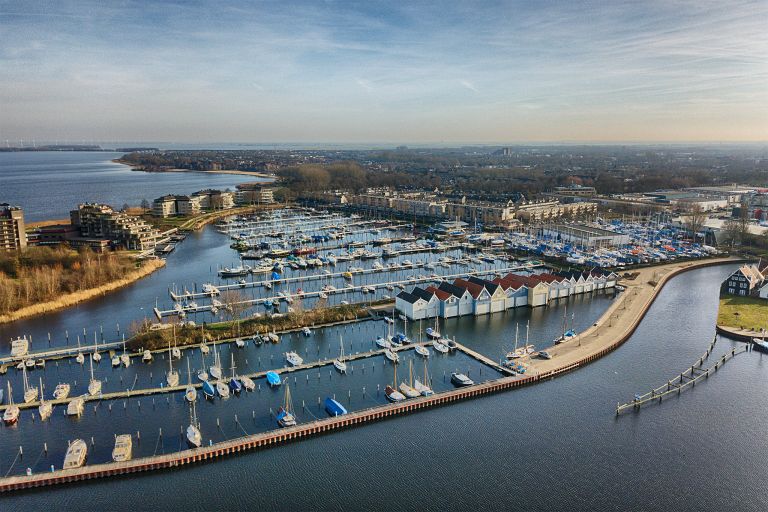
x: 101, y: 222
x: 745, y: 281
x: 170, y: 205
x: 250, y: 193
x: 12, y: 234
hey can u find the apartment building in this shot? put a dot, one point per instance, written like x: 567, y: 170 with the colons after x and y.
x: 12, y: 235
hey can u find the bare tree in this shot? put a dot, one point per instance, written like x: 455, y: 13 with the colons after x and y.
x: 693, y: 219
x: 234, y: 306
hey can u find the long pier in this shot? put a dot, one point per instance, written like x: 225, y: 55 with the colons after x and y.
x: 615, y: 331
x: 70, y: 351
x: 128, y: 393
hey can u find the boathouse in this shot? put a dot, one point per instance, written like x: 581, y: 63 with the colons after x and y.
x: 465, y: 301
x: 412, y: 306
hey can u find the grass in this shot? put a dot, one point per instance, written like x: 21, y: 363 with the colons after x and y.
x: 743, y: 312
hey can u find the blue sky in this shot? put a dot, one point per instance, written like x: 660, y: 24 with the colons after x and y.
x: 396, y: 72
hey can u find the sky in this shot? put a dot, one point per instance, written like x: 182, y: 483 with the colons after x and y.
x: 392, y: 72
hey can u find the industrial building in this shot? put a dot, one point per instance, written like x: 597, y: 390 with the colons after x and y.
x: 585, y: 236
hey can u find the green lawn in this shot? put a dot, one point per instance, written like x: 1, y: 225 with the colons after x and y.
x: 743, y: 312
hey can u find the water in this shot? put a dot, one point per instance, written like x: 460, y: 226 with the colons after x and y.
x: 554, y: 445
x: 47, y: 185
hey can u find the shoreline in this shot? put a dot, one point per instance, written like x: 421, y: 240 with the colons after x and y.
x: 641, y: 291
x: 253, y: 174
x: 71, y: 299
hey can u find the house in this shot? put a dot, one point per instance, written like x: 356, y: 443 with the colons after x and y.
x: 465, y: 302
x: 481, y: 297
x: 538, y: 291
x: 432, y: 306
x: 763, y: 293
x: 498, y: 297
x: 449, y: 303
x: 745, y: 281
x: 410, y: 305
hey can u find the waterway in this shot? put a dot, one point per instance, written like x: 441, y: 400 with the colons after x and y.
x: 47, y: 185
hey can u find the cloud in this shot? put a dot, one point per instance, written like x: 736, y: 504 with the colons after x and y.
x: 468, y: 85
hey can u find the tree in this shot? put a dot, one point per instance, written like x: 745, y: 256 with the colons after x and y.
x: 125, y: 207
x: 144, y: 204
x: 694, y: 218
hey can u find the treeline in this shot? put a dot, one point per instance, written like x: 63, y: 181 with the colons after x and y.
x: 42, y: 274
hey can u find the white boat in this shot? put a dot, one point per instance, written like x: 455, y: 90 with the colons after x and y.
x: 285, y: 416
x: 248, y: 383
x: 407, y: 389
x: 460, y: 379
x: 202, y: 375
x: 30, y: 392
x: 215, y: 369
x: 392, y: 394
x: 439, y: 347
x: 194, y: 438
x: 75, y: 406
x: 45, y: 409
x: 94, y: 386
x: 222, y: 389
x: 96, y: 356
x: 125, y: 358
x: 76, y: 454
x: 80, y: 358
x: 339, y: 363
x: 172, y: 377
x: 116, y: 361
x: 421, y: 350
x: 12, y: 411
x: 306, y: 331
x: 293, y: 359
x: 190, y: 394
x: 240, y: 342
x: 123, y: 450
x: 61, y: 392
x: 146, y: 356
x: 391, y: 355
x: 19, y: 346
x: 382, y: 342
x: 204, y: 349
x: 176, y: 353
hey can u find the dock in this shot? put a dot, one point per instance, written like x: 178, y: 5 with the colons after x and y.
x: 347, y: 289
x: 63, y: 352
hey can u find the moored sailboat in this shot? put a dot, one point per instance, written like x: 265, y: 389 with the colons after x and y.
x: 339, y: 363
x: 45, y: 409
x: 285, y: 416
x: 194, y: 438
x: 94, y: 386
x: 407, y: 389
x: 12, y: 411
x: 30, y: 392
x: 190, y: 394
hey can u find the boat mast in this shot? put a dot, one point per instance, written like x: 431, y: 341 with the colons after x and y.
x: 516, y: 326
x: 527, y: 326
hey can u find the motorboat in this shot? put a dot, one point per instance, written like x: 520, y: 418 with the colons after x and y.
x: 123, y: 450
x: 293, y: 359
x: 334, y: 408
x: 306, y: 331
x: 459, y: 379
x: 146, y: 356
x: 77, y: 452
x: 544, y: 354
x: 61, y: 392
x: 273, y: 379
x: 115, y: 361
x: 76, y: 406
x: 19, y: 346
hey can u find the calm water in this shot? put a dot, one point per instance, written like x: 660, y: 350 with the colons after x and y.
x: 50, y: 184
x: 555, y: 445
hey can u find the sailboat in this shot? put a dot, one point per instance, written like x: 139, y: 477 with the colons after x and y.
x: 202, y: 375
x: 391, y: 393
x: 208, y: 390
x: 215, y: 369
x: 80, y: 358
x: 516, y: 352
x: 115, y: 361
x: 248, y: 383
x: 172, y: 377
x: 234, y: 383
x: 392, y: 355
x: 567, y: 333
x: 190, y: 393
x: 408, y: 389
x: 96, y: 355
x: 45, y: 408
x: 423, y: 387
x: 285, y: 417
x: 434, y: 332
x: 339, y: 363
x: 222, y: 389
x: 30, y: 392
x: 125, y: 358
x: 11, y: 413
x: 94, y: 386
x: 194, y: 438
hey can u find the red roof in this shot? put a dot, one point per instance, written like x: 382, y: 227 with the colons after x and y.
x: 474, y: 289
x: 441, y: 294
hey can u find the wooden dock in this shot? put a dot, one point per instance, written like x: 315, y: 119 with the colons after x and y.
x: 63, y: 352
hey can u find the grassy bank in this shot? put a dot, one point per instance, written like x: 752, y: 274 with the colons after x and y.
x: 743, y: 313
x: 63, y: 299
x: 185, y: 335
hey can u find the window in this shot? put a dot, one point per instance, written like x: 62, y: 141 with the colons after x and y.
x: 743, y: 292
x: 731, y: 290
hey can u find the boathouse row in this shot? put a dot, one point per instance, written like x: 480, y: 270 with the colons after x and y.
x: 475, y: 296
